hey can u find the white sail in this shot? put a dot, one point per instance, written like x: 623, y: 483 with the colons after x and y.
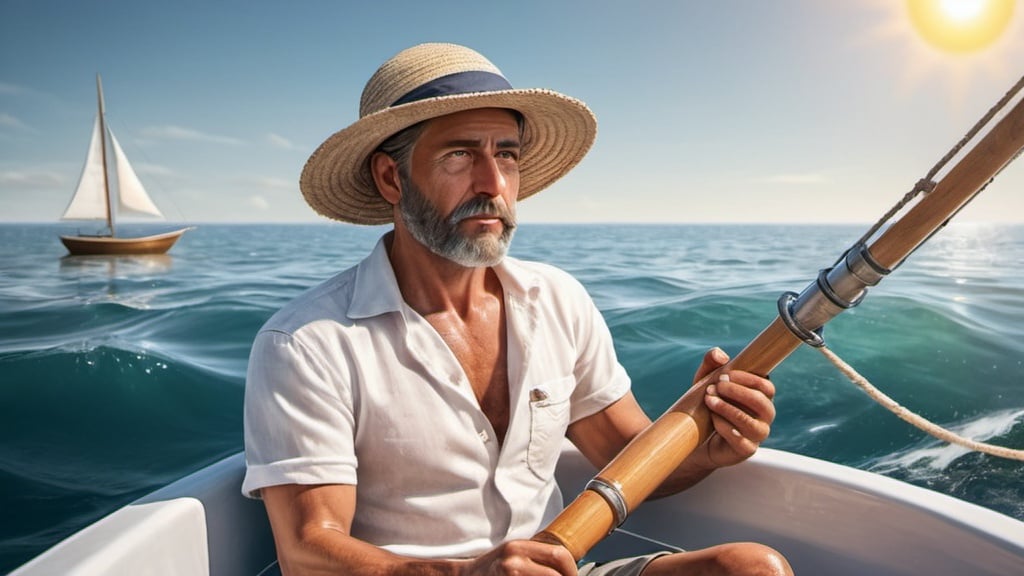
x: 89, y: 201
x: 101, y: 195
x: 132, y: 196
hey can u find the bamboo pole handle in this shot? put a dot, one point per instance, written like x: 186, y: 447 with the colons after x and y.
x: 652, y: 456
x: 649, y: 459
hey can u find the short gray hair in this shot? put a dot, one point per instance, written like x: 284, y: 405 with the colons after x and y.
x: 400, y: 144
x: 399, y: 147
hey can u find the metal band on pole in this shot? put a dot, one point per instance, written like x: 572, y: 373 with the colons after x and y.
x: 612, y: 494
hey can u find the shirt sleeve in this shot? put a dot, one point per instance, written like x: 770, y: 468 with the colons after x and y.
x: 299, y: 424
x: 600, y: 378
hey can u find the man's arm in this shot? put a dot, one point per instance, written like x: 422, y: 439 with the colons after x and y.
x: 311, y: 531
x: 741, y: 413
x: 312, y: 526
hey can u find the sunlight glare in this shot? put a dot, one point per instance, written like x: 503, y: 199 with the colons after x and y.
x: 962, y: 10
x: 960, y: 25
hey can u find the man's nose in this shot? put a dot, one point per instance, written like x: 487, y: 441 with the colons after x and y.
x: 489, y: 178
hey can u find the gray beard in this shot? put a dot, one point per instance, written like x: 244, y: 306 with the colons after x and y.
x: 441, y: 235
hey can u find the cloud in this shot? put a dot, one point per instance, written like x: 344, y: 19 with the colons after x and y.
x: 179, y: 133
x: 6, y: 88
x: 280, y: 141
x: 8, y: 121
x: 31, y: 179
x: 269, y: 183
x: 259, y: 203
x: 794, y: 178
x: 144, y: 168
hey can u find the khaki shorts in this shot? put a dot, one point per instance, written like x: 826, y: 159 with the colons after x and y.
x: 622, y: 567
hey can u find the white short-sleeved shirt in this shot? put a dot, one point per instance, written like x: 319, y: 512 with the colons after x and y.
x: 349, y: 385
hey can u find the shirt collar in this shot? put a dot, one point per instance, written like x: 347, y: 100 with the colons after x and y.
x: 376, y: 288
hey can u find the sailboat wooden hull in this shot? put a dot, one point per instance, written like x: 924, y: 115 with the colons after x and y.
x: 110, y: 245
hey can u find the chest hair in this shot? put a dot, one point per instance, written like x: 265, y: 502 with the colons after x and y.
x: 480, y: 345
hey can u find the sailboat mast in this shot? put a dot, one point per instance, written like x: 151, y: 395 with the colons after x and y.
x: 103, y: 149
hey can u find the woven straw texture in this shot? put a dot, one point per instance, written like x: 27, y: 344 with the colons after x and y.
x: 336, y: 181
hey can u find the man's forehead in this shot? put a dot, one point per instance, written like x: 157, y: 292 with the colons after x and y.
x: 477, y: 118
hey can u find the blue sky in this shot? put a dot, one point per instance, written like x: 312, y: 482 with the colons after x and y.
x: 727, y: 111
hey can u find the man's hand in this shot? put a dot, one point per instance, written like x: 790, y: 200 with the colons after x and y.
x: 523, y: 558
x: 741, y: 411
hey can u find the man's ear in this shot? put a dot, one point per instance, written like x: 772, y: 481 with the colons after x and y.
x: 385, y: 176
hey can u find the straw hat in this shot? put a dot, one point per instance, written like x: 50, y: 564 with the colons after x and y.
x: 428, y: 81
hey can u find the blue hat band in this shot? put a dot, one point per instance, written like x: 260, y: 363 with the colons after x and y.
x: 458, y: 83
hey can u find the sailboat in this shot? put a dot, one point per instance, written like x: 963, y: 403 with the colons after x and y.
x: 95, y: 199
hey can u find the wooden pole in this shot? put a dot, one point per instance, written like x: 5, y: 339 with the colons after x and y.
x: 649, y: 459
x: 103, y: 154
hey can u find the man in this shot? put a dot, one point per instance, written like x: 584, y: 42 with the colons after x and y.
x: 406, y: 416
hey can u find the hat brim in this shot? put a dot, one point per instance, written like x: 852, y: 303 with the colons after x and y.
x: 336, y: 180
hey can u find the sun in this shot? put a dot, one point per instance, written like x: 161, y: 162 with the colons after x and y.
x: 949, y: 48
x: 960, y: 26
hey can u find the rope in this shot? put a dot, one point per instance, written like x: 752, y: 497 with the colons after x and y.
x: 914, y: 419
x: 927, y: 184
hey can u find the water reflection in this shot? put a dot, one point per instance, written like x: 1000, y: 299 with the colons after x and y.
x: 116, y: 266
x: 122, y: 279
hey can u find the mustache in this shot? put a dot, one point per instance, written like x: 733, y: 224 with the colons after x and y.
x: 482, y: 205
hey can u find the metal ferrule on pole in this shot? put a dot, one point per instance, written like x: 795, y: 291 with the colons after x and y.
x: 612, y: 494
x: 836, y: 289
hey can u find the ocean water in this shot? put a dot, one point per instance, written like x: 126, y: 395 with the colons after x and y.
x: 121, y: 374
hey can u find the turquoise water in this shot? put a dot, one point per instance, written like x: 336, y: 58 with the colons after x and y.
x: 118, y: 375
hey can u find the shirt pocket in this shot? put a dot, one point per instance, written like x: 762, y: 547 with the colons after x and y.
x: 549, y: 419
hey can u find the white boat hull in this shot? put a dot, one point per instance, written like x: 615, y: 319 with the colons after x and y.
x: 826, y: 519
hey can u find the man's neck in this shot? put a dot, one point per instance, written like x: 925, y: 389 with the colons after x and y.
x: 432, y: 284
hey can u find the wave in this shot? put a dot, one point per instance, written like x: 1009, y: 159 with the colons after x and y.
x: 928, y: 456
x: 991, y: 481
x: 104, y: 422
x: 119, y: 375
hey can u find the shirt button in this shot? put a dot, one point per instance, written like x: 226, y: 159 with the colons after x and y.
x: 484, y: 437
